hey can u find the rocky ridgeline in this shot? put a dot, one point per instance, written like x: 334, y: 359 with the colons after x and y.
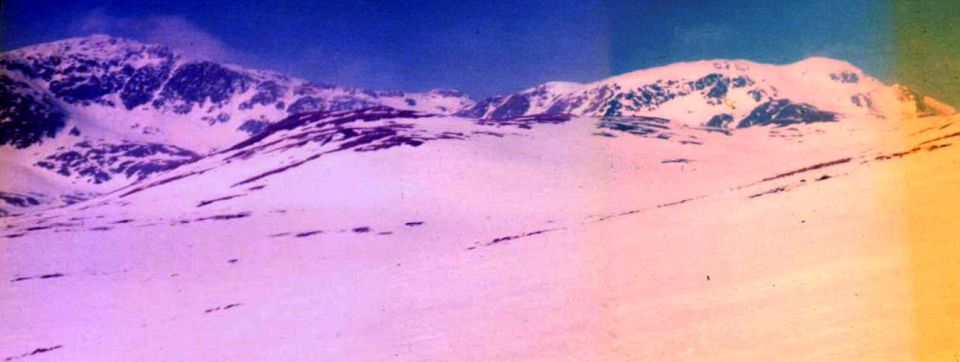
x: 123, y: 75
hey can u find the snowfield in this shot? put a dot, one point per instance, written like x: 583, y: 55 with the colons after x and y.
x: 157, y: 207
x: 382, y: 234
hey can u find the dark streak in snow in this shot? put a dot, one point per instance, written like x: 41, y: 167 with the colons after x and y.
x: 44, y: 276
x: 238, y: 215
x: 308, y: 233
x: 808, y: 168
x: 518, y: 236
x: 228, y: 306
x: 771, y: 191
x: 35, y: 352
x: 208, y: 202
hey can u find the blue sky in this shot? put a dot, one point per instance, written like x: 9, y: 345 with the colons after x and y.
x: 481, y: 47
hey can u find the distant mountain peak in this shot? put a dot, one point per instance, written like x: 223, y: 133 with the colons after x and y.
x: 702, y: 93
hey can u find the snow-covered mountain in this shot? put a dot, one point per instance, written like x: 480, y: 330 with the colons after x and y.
x: 87, y: 115
x: 98, y: 112
x: 100, y: 86
x: 108, y: 86
x: 717, y: 93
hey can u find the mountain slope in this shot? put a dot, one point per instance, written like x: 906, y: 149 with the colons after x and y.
x: 706, y: 93
x: 553, y: 241
x: 152, y: 93
x: 88, y: 115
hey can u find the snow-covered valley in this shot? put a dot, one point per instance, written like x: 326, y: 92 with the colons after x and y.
x: 392, y: 233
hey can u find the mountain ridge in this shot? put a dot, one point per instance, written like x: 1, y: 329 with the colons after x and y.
x: 101, y: 76
x: 98, y: 77
x: 96, y: 113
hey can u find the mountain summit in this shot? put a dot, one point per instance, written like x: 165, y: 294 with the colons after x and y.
x: 717, y: 93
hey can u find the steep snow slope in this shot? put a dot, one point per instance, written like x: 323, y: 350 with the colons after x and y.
x: 386, y: 234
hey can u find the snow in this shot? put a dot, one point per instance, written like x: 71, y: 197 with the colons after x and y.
x: 815, y: 81
x: 816, y: 271
x: 182, y: 129
x: 498, y: 240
